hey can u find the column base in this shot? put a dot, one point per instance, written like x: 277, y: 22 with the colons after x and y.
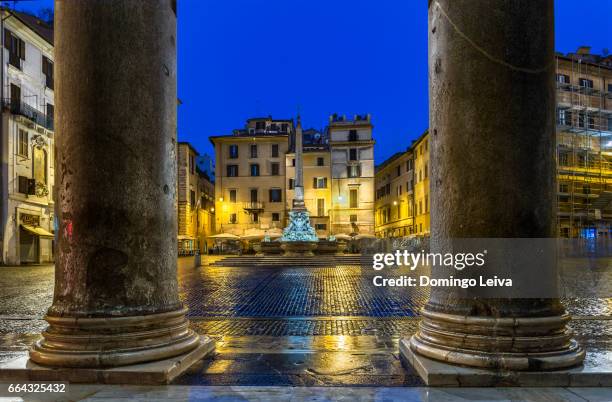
x: 442, y: 374
x: 498, y: 343
x: 101, y: 342
x: 159, y: 372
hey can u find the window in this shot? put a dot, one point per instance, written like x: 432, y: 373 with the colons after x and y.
x: 399, y: 190
x: 320, y: 161
x: 293, y: 162
x: 353, y: 154
x: 232, y: 195
x: 275, y: 195
x: 420, y: 227
x: 253, y: 195
x: 420, y: 207
x: 426, y: 171
x: 353, y: 198
x: 275, y: 150
x: 253, y: 150
x: 191, y: 164
x: 563, y: 159
x: 426, y: 145
x: 563, y: 79
x: 192, y: 198
x: 254, y: 169
x: 23, y: 143
x: 353, y: 218
x: 50, y: 114
x: 321, y: 226
x: 563, y: 188
x: 409, y: 165
x: 232, y: 218
x: 27, y: 186
x: 354, y: 171
x: 426, y: 203
x: 586, y: 189
x: 321, y: 207
x: 16, y: 48
x: 275, y: 217
x: 275, y: 168
x: 15, y: 98
x: 255, y: 217
x: 47, y: 70
x: 561, y: 117
x: 420, y: 175
x: 353, y: 135
x: 233, y: 151
x: 585, y: 83
x: 232, y: 170
x: 291, y: 184
x: 398, y: 170
x: 319, y: 182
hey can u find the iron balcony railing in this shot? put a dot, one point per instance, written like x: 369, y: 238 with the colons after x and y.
x: 23, y: 109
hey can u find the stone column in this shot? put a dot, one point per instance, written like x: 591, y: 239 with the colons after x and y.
x: 492, y: 105
x: 116, y: 295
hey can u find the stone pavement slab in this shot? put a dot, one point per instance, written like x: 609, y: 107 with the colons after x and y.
x: 95, y: 393
x: 22, y: 370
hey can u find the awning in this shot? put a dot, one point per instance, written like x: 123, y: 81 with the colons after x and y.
x: 38, y: 231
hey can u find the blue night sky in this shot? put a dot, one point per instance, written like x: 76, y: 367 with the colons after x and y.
x: 245, y: 58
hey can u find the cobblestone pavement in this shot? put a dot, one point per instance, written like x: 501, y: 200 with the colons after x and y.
x: 343, y: 291
x: 285, y: 326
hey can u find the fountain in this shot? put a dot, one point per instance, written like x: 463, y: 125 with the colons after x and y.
x: 299, y: 237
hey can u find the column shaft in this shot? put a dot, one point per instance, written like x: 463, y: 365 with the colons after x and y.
x: 492, y: 137
x: 116, y: 295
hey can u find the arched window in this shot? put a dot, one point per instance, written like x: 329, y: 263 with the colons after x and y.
x: 39, y: 161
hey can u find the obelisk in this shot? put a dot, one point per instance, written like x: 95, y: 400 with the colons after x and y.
x: 298, y: 200
x: 299, y: 237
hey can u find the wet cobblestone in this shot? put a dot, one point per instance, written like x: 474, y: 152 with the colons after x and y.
x: 294, y: 292
x: 27, y: 292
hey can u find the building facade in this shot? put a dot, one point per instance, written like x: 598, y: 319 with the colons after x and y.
x: 250, y: 176
x: 195, y: 202
x: 255, y: 167
x: 352, y: 174
x: 27, y: 140
x: 394, y: 205
x: 584, y: 145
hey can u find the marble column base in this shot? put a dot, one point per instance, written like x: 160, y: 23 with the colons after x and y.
x: 158, y: 372
x: 498, y: 343
x: 100, y: 342
x: 442, y: 374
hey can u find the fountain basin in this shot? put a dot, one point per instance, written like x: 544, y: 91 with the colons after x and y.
x: 298, y: 248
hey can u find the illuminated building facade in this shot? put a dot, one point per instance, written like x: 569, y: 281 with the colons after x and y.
x: 255, y: 171
x: 352, y: 174
x: 584, y: 145
x: 27, y: 140
x: 195, y: 202
x: 250, y: 176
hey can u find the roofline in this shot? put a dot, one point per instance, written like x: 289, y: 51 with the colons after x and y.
x: 14, y: 14
x: 570, y: 59
x: 190, y: 146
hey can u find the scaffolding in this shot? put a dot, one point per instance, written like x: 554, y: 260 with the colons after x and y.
x: 584, y: 147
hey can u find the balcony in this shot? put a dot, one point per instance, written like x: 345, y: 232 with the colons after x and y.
x: 23, y: 109
x: 253, y: 206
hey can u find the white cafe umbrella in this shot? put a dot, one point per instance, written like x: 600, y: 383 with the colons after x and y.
x: 365, y: 236
x: 224, y: 236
